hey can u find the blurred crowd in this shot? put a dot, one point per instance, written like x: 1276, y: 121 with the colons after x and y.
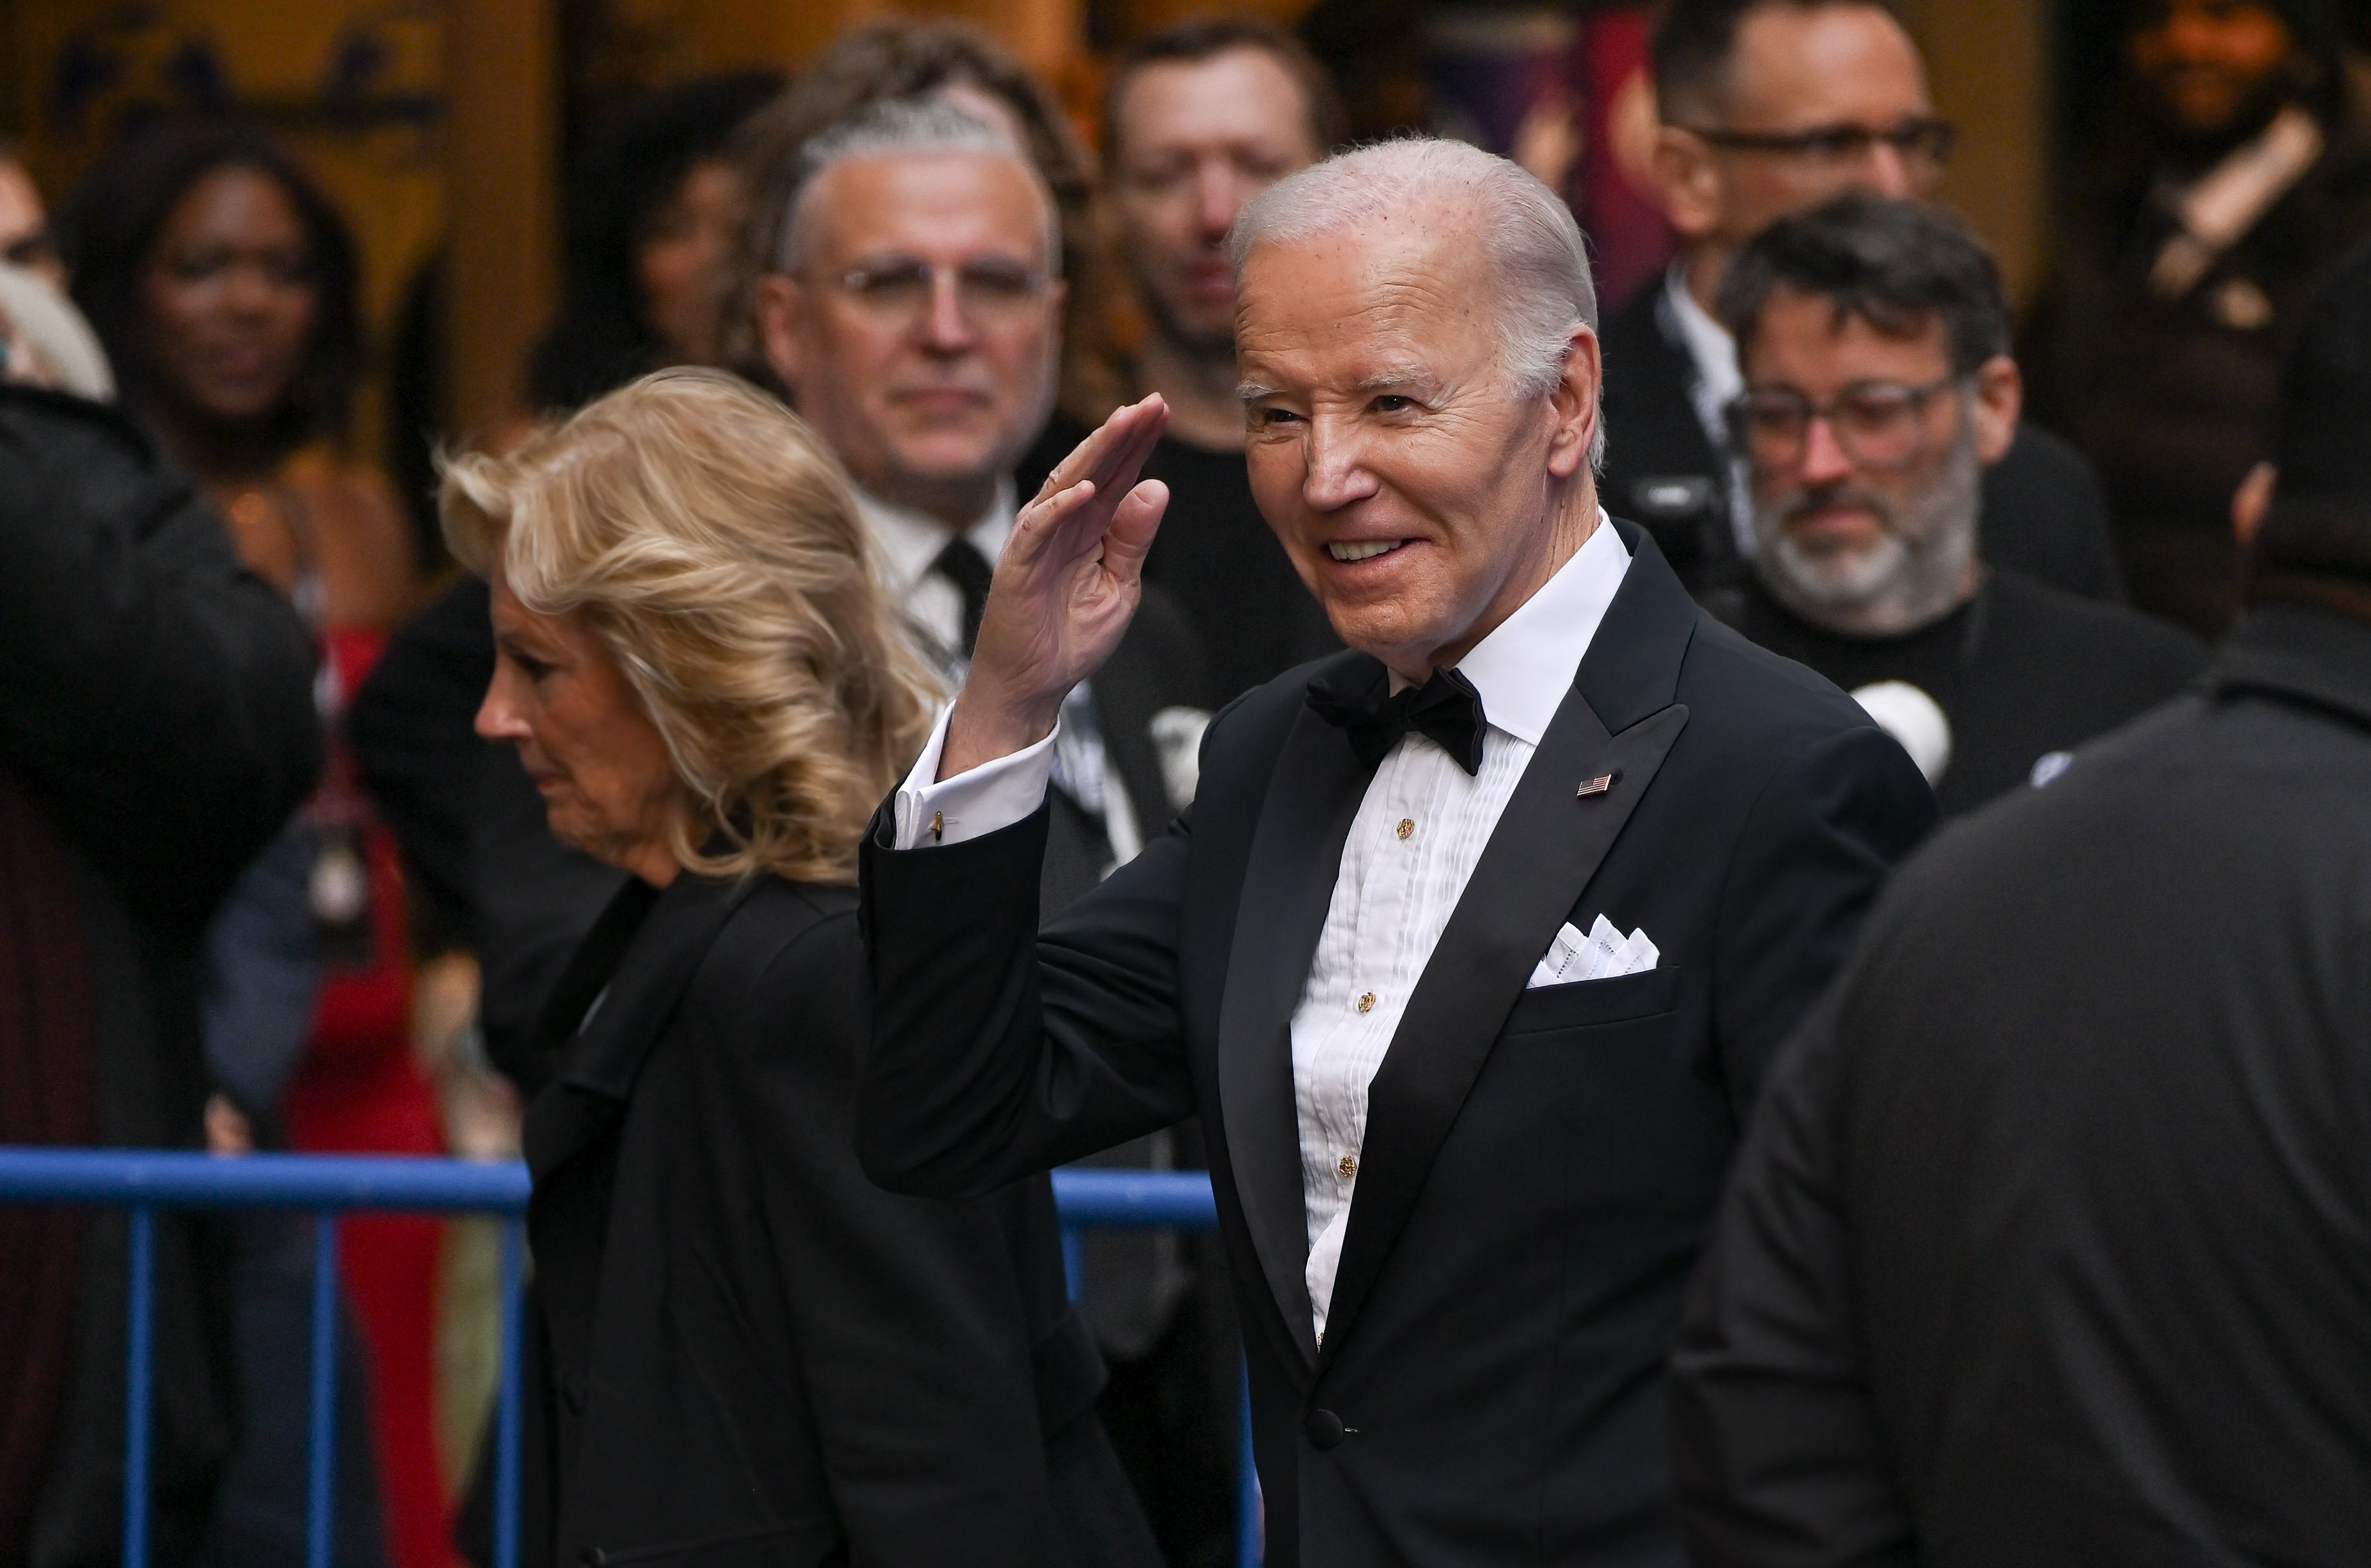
x: 271, y: 880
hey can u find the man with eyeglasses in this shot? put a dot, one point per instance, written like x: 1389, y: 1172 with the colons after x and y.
x: 916, y: 311
x: 1770, y: 106
x: 1873, y: 344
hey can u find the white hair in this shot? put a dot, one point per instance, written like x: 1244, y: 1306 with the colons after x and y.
x: 903, y: 127
x: 1534, y: 248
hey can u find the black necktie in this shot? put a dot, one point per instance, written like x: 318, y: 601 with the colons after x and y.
x: 1445, y: 708
x: 962, y: 564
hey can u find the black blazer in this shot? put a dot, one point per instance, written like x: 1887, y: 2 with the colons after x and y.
x: 750, y: 1353
x: 1538, y: 1165
x: 2044, y: 513
x: 2048, y: 1245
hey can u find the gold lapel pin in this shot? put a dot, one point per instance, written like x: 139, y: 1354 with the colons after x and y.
x: 1597, y: 786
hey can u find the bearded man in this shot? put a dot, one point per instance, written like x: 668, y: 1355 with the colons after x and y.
x: 1878, y: 387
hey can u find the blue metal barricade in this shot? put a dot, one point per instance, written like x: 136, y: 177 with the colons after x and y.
x: 143, y: 1182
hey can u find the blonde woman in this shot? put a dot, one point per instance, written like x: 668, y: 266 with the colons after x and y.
x: 749, y: 1354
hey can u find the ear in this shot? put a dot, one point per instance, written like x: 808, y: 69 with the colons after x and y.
x: 2251, y: 502
x: 2000, y: 397
x: 781, y: 297
x: 1688, y: 181
x: 1574, y: 400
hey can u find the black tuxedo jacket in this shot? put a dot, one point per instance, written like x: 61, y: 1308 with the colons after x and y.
x: 1538, y: 1165
x: 2044, y: 513
x: 746, y: 1352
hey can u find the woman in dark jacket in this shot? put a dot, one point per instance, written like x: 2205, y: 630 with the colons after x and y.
x: 750, y: 1353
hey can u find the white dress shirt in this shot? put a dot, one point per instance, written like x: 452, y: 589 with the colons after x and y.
x: 1418, y: 834
x: 1719, y: 381
x: 911, y: 543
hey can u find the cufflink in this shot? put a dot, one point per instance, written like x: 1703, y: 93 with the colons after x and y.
x: 937, y: 826
x: 1597, y: 786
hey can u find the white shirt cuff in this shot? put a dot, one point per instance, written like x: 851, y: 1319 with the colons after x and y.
x: 993, y: 796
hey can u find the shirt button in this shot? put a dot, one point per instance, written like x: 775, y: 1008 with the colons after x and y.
x: 1366, y: 1001
x: 1348, y: 1165
x: 1407, y: 827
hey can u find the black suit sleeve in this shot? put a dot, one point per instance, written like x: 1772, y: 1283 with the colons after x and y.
x: 158, y: 696
x: 1816, y: 848
x: 907, y: 1315
x: 995, y: 1054
x: 1780, y: 1456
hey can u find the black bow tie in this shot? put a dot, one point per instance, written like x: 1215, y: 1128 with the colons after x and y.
x: 1445, y: 708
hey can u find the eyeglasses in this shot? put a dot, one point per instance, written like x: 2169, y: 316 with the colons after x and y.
x: 1924, y: 144
x: 1876, y: 423
x: 990, y: 292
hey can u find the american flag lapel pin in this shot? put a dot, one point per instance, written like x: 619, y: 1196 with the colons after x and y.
x: 1597, y: 786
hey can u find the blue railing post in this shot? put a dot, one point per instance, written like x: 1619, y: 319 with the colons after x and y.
x: 140, y: 1363
x: 141, y: 1180
x: 321, y: 1451
x: 1249, y: 1546
x: 506, y: 1410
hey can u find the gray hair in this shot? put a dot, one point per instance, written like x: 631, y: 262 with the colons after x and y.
x: 896, y: 127
x: 1534, y: 248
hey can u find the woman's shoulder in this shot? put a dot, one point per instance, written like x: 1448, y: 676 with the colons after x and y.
x: 785, y: 937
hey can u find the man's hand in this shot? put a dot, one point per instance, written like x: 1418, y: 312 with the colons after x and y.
x: 1065, y: 590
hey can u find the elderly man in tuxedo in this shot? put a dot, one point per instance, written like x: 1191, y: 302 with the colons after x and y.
x: 1478, y: 938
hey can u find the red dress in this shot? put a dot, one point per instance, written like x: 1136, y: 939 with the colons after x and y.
x: 358, y: 1090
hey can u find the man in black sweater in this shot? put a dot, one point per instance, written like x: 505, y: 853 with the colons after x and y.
x: 1873, y: 340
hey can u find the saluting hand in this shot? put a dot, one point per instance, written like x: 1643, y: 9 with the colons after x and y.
x: 1065, y: 590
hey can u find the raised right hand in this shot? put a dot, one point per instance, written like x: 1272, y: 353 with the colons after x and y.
x: 1066, y: 588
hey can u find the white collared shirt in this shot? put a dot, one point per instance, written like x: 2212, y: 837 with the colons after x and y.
x: 1719, y: 381
x: 1393, y: 895
x: 911, y: 542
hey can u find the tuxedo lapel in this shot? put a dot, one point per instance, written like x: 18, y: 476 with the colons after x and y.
x: 1619, y: 719
x: 631, y: 979
x: 1296, y: 857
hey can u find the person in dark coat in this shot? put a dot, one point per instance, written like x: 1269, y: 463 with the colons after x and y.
x: 156, y: 727
x: 2230, y: 172
x: 1878, y: 389
x: 1463, y: 1144
x: 747, y: 1352
x: 1770, y: 106
x: 2047, y: 1246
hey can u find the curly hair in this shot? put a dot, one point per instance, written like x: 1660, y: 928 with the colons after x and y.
x: 709, y: 541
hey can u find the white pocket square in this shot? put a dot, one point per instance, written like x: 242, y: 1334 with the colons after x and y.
x: 1604, y: 954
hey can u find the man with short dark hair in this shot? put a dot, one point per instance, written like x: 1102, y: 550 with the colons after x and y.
x: 1198, y: 118
x: 2047, y: 1246
x: 2235, y: 168
x: 1874, y: 344
x: 1770, y: 106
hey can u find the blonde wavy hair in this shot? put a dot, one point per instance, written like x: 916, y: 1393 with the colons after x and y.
x: 709, y: 540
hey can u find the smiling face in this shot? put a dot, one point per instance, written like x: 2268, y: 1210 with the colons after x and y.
x: 609, y: 784
x: 929, y: 401
x: 1861, y: 545
x: 229, y: 299
x: 1195, y: 140
x: 1420, y: 500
